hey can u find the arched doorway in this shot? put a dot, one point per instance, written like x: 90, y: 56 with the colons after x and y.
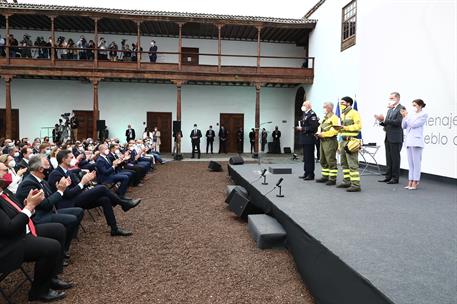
x: 300, y: 96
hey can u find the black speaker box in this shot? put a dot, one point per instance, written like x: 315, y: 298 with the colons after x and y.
x: 101, y: 125
x: 236, y: 160
x: 287, y: 150
x: 214, y: 166
x: 176, y: 126
x: 239, y: 204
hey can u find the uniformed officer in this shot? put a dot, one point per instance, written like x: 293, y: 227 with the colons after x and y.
x: 329, y: 144
x: 351, y: 125
x: 308, y: 127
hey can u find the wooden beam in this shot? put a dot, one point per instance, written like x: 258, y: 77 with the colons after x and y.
x: 7, y: 31
x: 178, y: 84
x: 219, y: 47
x: 96, y: 112
x: 96, y: 42
x: 180, y: 46
x: 8, y: 112
x: 259, y: 30
x: 53, y: 42
x: 138, y: 44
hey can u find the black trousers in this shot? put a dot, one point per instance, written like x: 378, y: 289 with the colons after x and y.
x: 138, y: 173
x: 195, y: 146
x: 46, y: 251
x: 318, y: 148
x: 239, y: 147
x: 209, y: 144
x: 393, y: 159
x: 69, y: 217
x: 308, y: 160
x: 223, y: 146
x: 252, y: 146
x: 263, y: 146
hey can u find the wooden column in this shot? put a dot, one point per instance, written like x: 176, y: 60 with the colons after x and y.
x: 138, y: 46
x: 96, y: 112
x: 7, y: 31
x: 259, y: 30
x: 219, y: 47
x: 257, y: 116
x: 53, y: 37
x: 178, y: 84
x: 96, y: 43
x: 180, y: 46
x: 8, y: 112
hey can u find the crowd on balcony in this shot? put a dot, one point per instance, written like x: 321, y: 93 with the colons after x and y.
x: 46, y: 186
x: 69, y: 49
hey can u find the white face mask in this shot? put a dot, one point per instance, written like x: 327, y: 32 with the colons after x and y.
x: 72, y: 162
x: 303, y: 109
x: 118, y: 151
x: 325, y: 111
x: 12, y: 164
x: 106, y: 152
x: 16, y: 154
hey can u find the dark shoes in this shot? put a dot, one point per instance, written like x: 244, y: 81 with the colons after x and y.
x: 385, y: 180
x: 65, y: 262
x: 120, y: 232
x: 309, y: 178
x: 129, y: 204
x: 353, y: 189
x: 392, y: 181
x: 51, y: 295
x: 58, y: 284
x: 302, y: 176
x: 344, y: 185
x: 331, y: 183
x: 321, y: 180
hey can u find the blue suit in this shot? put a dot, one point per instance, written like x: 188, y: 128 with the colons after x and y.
x: 414, y: 142
x: 106, y: 174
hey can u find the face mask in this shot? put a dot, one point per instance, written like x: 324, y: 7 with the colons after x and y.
x: 16, y: 154
x: 7, y: 179
x: 12, y: 164
x: 46, y: 173
x: 106, y: 152
x: 48, y: 151
x: 303, y: 109
x: 131, y: 148
x: 118, y: 151
x: 72, y: 162
x: 325, y: 111
x: 342, y: 106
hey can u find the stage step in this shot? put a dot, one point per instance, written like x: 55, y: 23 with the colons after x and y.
x: 231, y: 187
x: 266, y: 231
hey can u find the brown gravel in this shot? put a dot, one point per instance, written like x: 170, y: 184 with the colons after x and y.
x: 187, y: 247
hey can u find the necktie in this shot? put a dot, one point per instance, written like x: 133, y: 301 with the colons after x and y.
x: 30, y: 224
x: 46, y: 189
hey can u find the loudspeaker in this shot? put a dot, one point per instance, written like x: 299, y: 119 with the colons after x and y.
x: 101, y: 125
x: 287, y: 150
x: 239, y: 204
x: 178, y: 157
x: 214, y: 166
x: 236, y: 160
x: 176, y: 126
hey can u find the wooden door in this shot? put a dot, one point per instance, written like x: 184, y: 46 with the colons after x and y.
x: 190, y: 57
x: 163, y: 122
x: 86, y: 126
x: 14, y: 123
x: 232, y: 123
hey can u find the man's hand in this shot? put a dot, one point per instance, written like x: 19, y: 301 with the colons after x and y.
x: 403, y: 113
x: 21, y: 171
x: 62, y: 184
x: 87, y: 178
x: 80, y: 156
x: 34, y: 198
x: 379, y: 117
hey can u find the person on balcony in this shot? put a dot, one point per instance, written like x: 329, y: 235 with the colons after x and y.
x: 71, y: 52
x: 82, y: 44
x: 127, y: 53
x: 113, y: 51
x: 26, y: 47
x: 102, y: 49
x: 153, y: 52
x: 2, y: 46
x: 90, y: 52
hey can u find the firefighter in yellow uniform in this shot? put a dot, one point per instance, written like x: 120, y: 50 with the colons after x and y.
x: 329, y: 145
x: 351, y: 125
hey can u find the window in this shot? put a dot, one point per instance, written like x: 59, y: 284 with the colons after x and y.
x: 348, y: 27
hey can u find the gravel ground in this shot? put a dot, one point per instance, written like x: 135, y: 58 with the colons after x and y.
x: 187, y: 247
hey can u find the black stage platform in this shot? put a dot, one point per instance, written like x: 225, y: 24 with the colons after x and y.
x: 383, y: 245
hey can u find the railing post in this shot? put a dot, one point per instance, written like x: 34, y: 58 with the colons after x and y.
x: 180, y: 46
x: 95, y: 110
x: 259, y: 30
x: 219, y: 47
x: 7, y: 31
x: 138, y: 45
x: 96, y: 42
x: 178, y: 84
x: 8, y: 112
x: 53, y: 42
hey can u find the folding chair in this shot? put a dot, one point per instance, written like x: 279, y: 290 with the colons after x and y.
x: 4, y: 275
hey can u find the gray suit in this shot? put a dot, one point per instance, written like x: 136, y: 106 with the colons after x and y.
x: 393, y: 141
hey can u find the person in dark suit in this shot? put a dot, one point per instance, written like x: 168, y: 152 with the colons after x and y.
x: 239, y: 140
x: 26, y: 152
x: 252, y: 140
x: 137, y: 172
x: 195, y: 136
x: 210, y: 134
x: 23, y: 241
x: 308, y: 126
x: 153, y: 52
x: 276, y: 134
x: 264, y: 139
x: 394, y: 138
x: 106, y: 171
x: 223, y: 136
x: 78, y: 195
x: 130, y: 134
x: 46, y: 212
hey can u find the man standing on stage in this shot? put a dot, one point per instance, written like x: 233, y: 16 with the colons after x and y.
x: 351, y: 125
x: 264, y: 140
x: 239, y: 140
x: 74, y: 125
x: 223, y: 135
x: 210, y: 134
x: 308, y: 128
x: 328, y: 146
x: 276, y: 134
x: 394, y: 138
x: 252, y: 140
x: 130, y: 133
x: 195, y: 135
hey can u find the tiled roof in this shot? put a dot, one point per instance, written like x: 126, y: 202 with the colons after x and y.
x: 145, y: 13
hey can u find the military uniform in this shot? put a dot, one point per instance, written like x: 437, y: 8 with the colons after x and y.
x: 309, y: 125
x: 328, y: 148
x: 350, y: 120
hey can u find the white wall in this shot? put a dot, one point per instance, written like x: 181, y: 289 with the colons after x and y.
x: 404, y: 46
x: 40, y: 103
x: 229, y: 47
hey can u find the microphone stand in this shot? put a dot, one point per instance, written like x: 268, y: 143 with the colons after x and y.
x: 265, y: 180
x: 260, y: 143
x: 280, y: 194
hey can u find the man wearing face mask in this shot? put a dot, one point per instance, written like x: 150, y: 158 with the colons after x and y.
x: 308, y: 127
x: 351, y: 125
x: 23, y: 241
x: 46, y: 212
x: 394, y: 138
x: 195, y: 136
x: 210, y: 135
x: 276, y: 134
x: 77, y: 194
x: 26, y: 152
x: 137, y: 172
x: 328, y: 146
x: 153, y: 52
x: 16, y: 175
